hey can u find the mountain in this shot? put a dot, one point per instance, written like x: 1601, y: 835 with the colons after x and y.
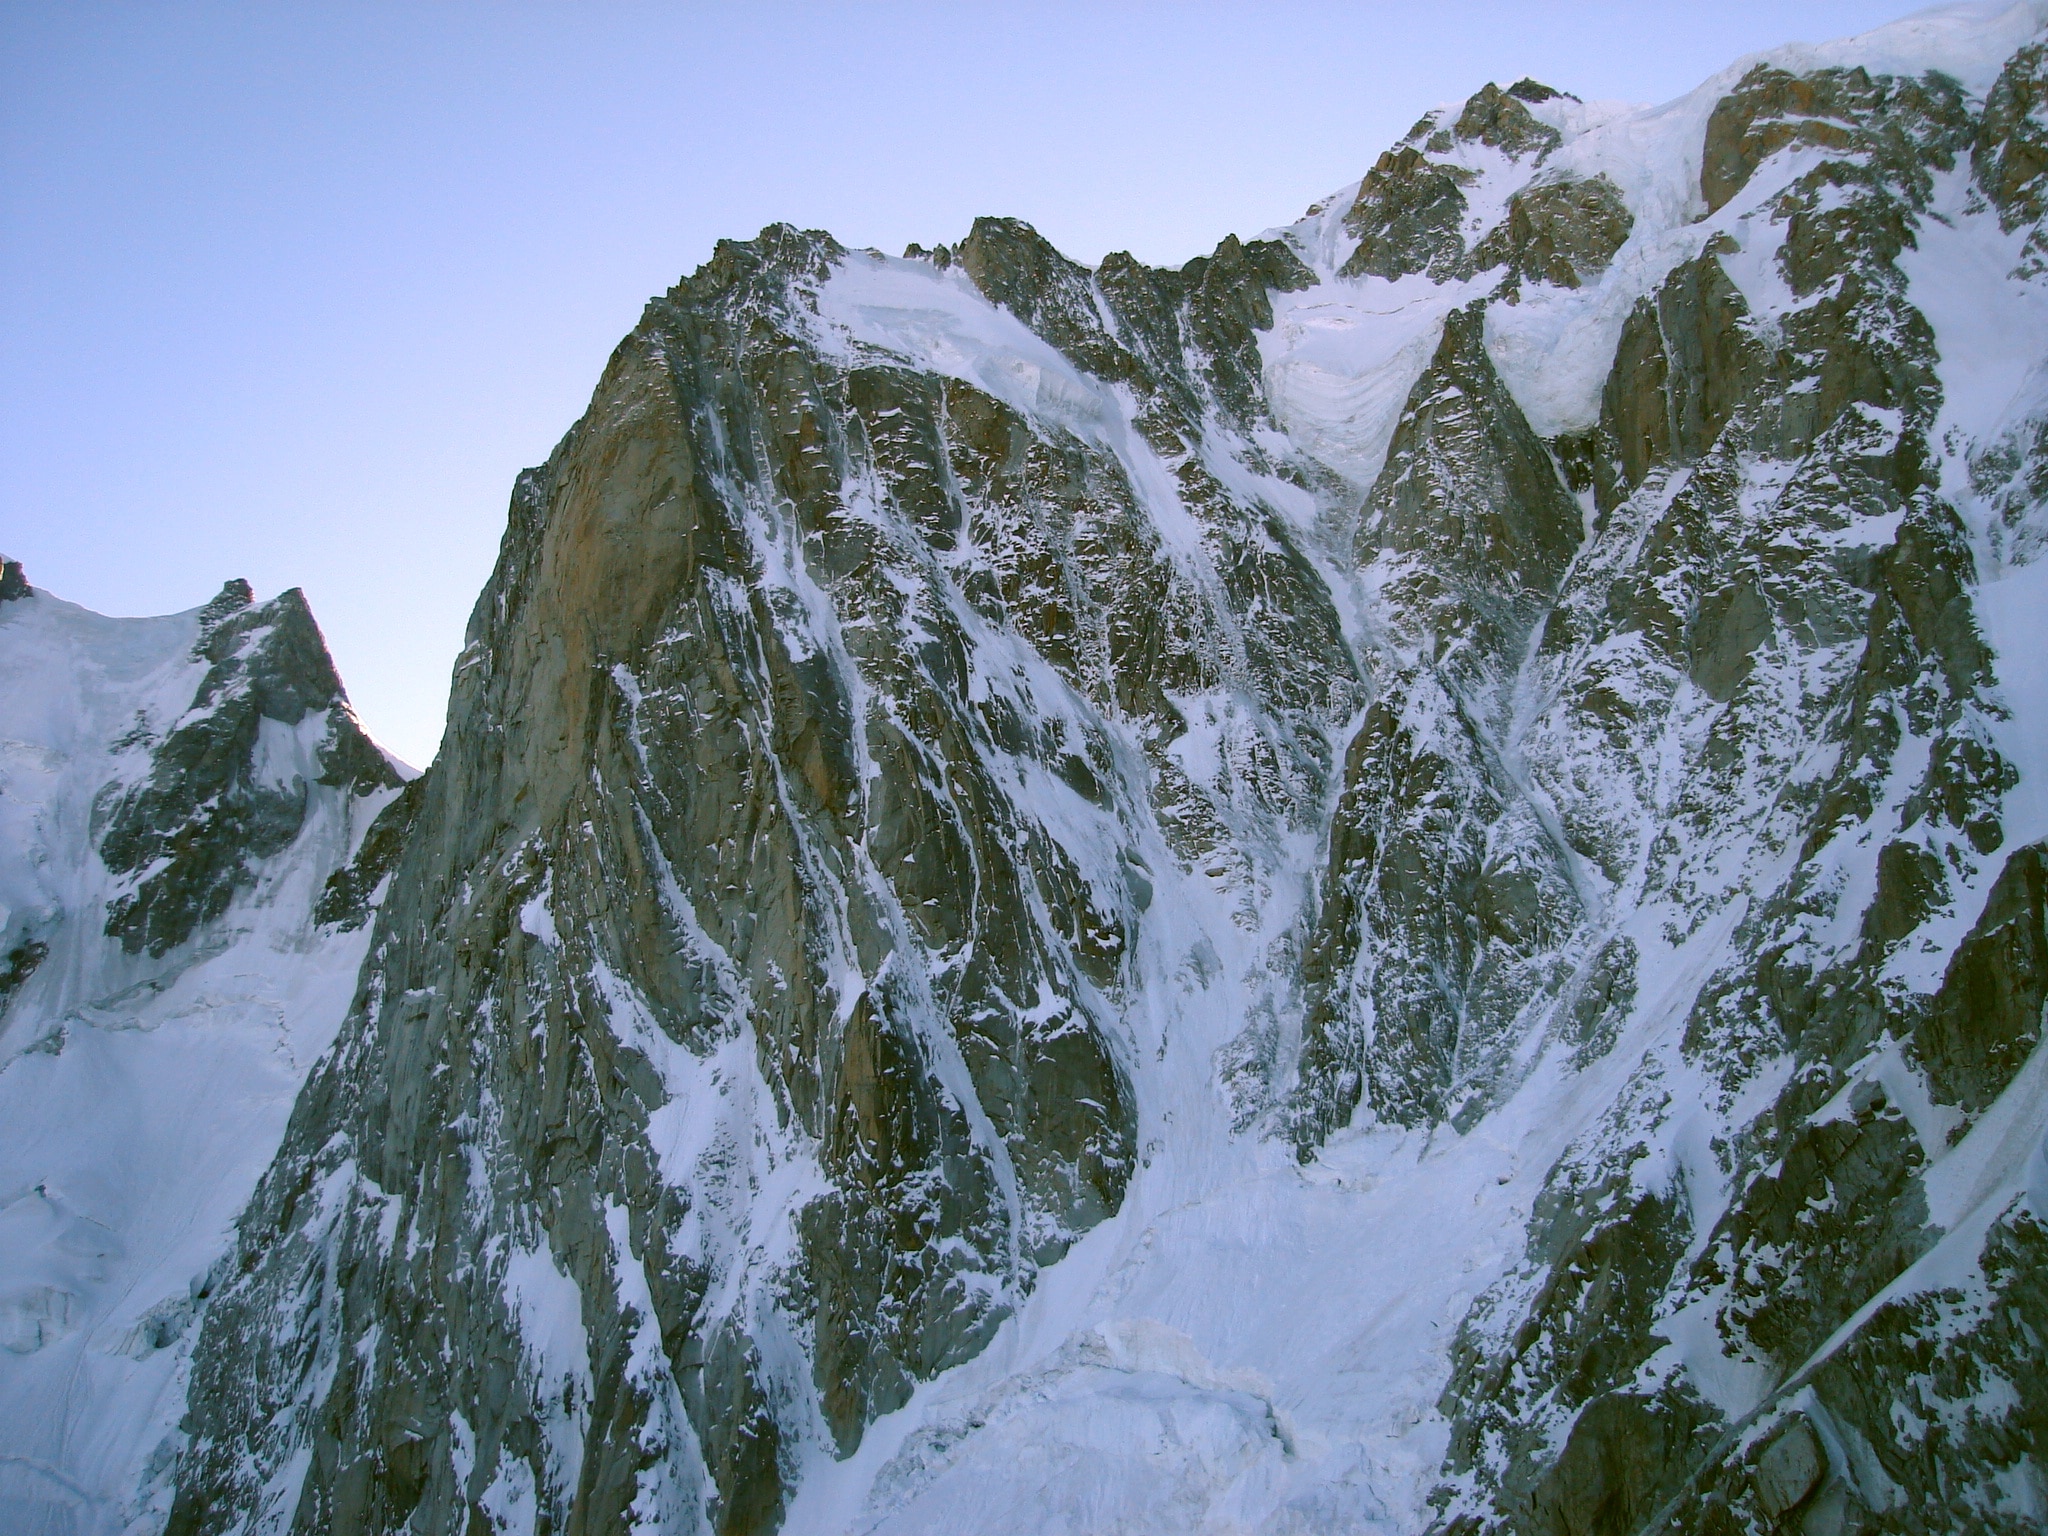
x: 175, y: 796
x: 1395, y: 881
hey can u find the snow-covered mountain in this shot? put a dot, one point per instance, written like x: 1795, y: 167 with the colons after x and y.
x: 1396, y: 881
x: 176, y: 796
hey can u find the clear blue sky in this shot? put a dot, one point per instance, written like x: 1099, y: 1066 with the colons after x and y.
x: 292, y: 290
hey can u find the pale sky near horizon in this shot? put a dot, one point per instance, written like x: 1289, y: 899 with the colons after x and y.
x: 291, y: 291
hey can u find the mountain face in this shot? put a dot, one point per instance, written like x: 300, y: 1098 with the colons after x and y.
x: 1396, y: 881
x: 175, y: 796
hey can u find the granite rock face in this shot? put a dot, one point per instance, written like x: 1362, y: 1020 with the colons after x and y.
x: 1390, y: 881
x: 779, y: 773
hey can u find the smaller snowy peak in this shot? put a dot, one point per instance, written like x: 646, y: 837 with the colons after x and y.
x: 153, y: 773
x: 177, y: 794
x: 229, y: 777
x: 1477, y: 202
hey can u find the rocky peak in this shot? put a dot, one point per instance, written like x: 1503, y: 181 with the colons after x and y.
x: 1018, y: 268
x: 217, y: 795
x: 1410, y: 214
x: 1503, y: 120
x: 235, y: 595
x: 13, y: 583
x: 1534, y: 91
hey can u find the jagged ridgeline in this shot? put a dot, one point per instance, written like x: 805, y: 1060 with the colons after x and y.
x: 1389, y: 881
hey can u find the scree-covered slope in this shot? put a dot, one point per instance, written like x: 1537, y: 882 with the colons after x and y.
x: 1391, y: 882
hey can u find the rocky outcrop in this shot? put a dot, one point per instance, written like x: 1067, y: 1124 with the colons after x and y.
x: 1559, y: 232
x: 1410, y: 215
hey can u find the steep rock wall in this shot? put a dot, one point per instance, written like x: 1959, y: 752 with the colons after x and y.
x: 752, y: 981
